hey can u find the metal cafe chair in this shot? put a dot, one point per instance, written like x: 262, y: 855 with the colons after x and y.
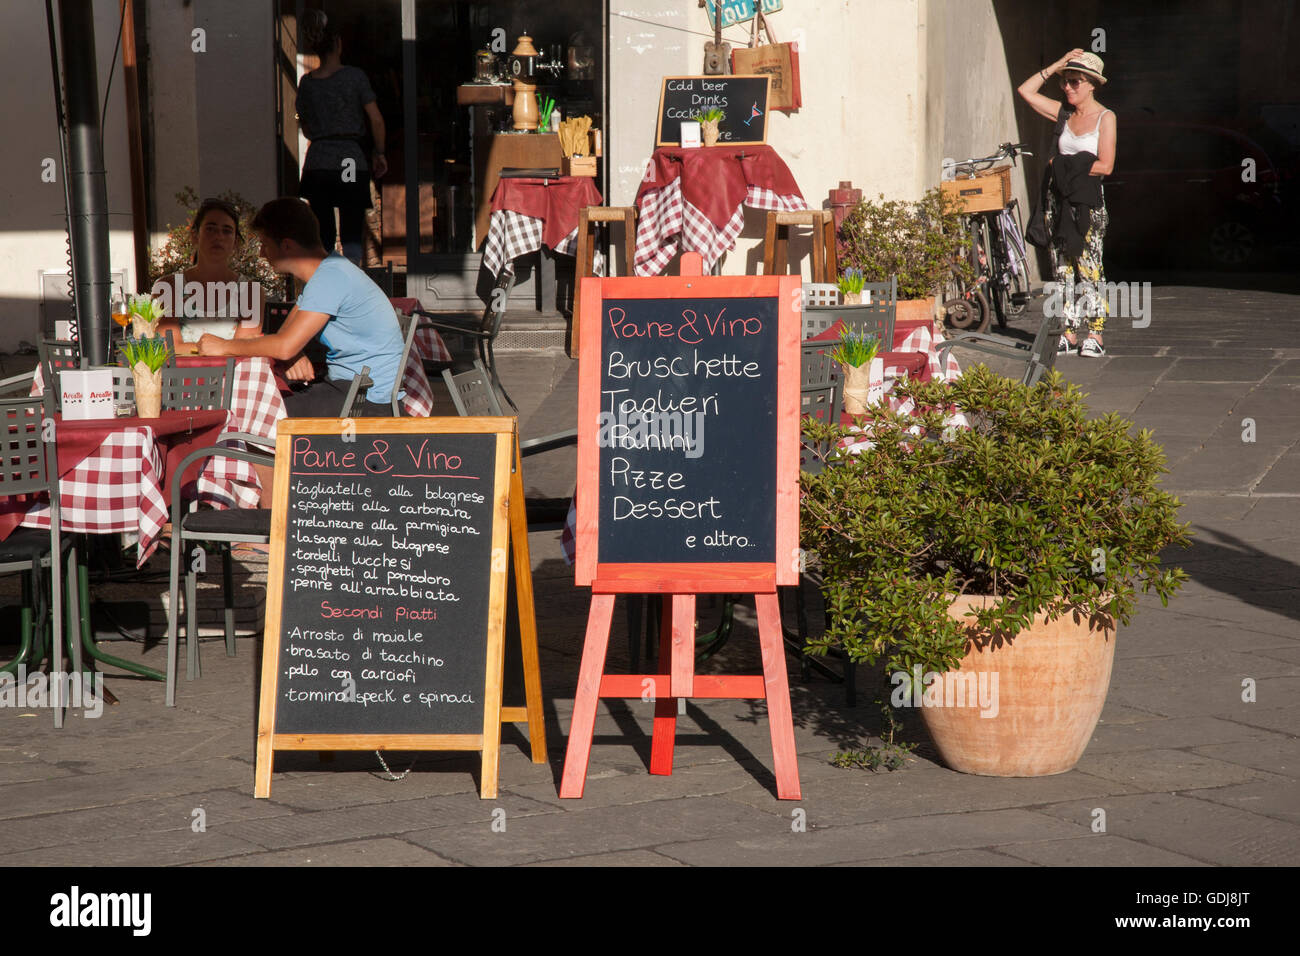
x: 28, y: 466
x: 1039, y: 355
x: 56, y: 355
x: 874, y: 318
x: 225, y: 527
x: 409, y: 325
x: 198, y: 387
x: 484, y: 331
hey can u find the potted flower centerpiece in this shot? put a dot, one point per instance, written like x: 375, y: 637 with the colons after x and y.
x: 919, y: 242
x: 145, y: 357
x: 145, y: 313
x: 986, y: 566
x: 851, y: 283
x: 864, y: 374
x: 709, y: 119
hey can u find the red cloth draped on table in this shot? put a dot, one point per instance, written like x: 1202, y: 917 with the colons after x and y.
x: 113, y: 472
x: 529, y: 213
x: 695, y: 199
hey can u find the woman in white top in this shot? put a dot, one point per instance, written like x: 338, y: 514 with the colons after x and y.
x: 1089, y: 127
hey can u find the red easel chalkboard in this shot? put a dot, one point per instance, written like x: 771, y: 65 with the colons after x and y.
x: 701, y: 498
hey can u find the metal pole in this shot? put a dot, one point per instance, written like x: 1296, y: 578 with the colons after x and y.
x: 86, y: 180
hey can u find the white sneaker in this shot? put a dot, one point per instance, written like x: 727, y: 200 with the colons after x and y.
x: 1092, y: 348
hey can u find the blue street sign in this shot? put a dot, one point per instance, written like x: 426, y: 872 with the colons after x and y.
x: 739, y: 11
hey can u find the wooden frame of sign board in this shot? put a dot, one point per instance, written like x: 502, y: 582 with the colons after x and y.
x: 680, y: 581
x: 766, y: 81
x: 508, y: 530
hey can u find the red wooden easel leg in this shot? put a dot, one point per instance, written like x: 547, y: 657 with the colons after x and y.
x: 583, y: 724
x: 779, y: 718
x: 665, y: 732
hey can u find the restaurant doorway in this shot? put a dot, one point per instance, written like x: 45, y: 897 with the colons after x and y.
x: 444, y: 147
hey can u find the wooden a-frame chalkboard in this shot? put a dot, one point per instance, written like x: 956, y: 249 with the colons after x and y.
x: 386, y: 590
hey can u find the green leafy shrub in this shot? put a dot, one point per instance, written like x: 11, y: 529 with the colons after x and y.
x: 177, y: 252
x: 1036, y: 504
x: 920, y: 242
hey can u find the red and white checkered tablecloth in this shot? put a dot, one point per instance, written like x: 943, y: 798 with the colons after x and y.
x: 117, y: 488
x: 512, y: 234
x: 667, y: 223
x: 427, y: 345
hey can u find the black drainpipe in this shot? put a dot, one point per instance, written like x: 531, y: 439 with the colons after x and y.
x: 88, y: 188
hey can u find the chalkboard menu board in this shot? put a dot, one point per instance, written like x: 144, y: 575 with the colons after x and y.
x: 688, y: 409
x: 386, y: 584
x: 743, y: 98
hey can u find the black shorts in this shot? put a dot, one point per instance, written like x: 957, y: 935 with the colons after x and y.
x: 324, y: 399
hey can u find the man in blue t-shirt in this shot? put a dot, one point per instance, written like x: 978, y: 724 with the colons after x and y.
x: 339, y: 304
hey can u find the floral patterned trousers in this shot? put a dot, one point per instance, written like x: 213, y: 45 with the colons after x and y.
x: 1081, y: 282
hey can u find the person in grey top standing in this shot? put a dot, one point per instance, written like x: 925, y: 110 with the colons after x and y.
x: 334, y: 101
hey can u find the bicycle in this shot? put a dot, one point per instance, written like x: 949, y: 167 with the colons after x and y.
x: 997, y: 252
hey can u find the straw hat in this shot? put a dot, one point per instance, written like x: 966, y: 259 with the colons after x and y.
x: 1090, y: 64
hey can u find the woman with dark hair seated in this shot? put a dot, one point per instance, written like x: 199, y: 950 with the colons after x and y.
x: 339, y: 305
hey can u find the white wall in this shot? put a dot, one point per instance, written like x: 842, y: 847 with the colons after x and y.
x: 32, y: 234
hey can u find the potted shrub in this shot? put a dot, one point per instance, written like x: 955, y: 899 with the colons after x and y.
x: 991, y: 558
x: 920, y: 242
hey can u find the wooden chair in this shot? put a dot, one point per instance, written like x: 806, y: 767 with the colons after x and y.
x: 822, y: 222
x: 877, y: 317
x: 28, y: 466
x: 1039, y: 355
x: 588, y: 219
x: 484, y: 331
x: 225, y: 527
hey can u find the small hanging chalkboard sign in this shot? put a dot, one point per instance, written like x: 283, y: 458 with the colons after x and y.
x: 386, y: 589
x: 743, y: 98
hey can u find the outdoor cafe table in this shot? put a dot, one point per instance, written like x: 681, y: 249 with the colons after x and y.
x: 529, y: 213
x: 114, y: 474
x: 694, y: 199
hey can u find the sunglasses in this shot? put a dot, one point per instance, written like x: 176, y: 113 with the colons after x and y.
x: 1073, y: 82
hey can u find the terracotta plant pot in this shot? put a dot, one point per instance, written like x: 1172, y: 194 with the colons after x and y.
x: 1046, y: 689
x: 148, y: 391
x: 913, y: 309
x: 709, y: 132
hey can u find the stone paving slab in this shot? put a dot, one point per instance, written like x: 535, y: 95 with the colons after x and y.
x: 781, y: 846
x: 1195, y: 828
x: 1100, y: 849
x: 620, y: 858
x: 376, y: 852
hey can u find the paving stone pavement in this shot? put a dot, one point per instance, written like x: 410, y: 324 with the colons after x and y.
x: 1186, y: 772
